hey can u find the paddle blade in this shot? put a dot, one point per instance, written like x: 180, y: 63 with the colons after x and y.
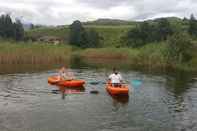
x: 95, y: 82
x: 136, y: 83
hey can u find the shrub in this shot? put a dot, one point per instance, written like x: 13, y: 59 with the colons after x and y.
x: 179, y: 47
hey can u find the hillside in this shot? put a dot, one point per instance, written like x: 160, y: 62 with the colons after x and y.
x: 110, y: 34
x: 109, y: 29
x: 109, y: 22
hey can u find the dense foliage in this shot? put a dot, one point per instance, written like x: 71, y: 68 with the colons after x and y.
x: 145, y: 33
x: 81, y: 37
x: 10, y: 29
x: 179, y: 47
x: 163, y: 42
x: 192, y: 26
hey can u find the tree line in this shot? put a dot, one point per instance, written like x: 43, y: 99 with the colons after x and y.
x: 10, y: 29
x: 84, y: 38
x: 178, y: 40
x: 146, y: 32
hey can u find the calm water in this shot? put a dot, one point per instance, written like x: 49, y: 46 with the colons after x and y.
x: 161, y: 103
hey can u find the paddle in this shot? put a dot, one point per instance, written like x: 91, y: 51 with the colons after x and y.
x: 135, y: 83
x: 71, y: 91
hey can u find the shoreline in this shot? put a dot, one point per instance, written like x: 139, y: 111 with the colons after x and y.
x: 149, y: 57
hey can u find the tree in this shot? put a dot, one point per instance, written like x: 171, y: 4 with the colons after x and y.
x: 84, y: 43
x: 32, y: 26
x: 18, y: 30
x: 147, y: 32
x: 179, y: 47
x: 192, y: 26
x: 164, y: 29
x: 132, y: 38
x: 78, y: 35
x: 2, y: 17
x: 83, y: 38
x: 139, y: 36
x: 6, y: 26
x: 8, y: 29
x: 185, y: 19
x: 93, y: 38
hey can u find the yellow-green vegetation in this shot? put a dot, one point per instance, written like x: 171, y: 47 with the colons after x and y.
x: 61, y: 32
x: 33, y: 53
x: 151, y: 56
x: 155, y: 44
x: 110, y: 34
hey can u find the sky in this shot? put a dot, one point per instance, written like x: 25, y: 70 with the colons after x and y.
x: 61, y: 12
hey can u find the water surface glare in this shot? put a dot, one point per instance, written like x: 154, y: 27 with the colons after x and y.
x: 161, y: 103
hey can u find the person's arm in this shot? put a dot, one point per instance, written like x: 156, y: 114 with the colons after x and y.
x: 120, y: 77
x: 59, y: 74
x: 109, y: 78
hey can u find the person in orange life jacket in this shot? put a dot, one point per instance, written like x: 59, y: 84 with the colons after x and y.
x: 115, y: 78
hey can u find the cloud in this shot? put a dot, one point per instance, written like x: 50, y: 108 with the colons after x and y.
x: 58, y: 12
x: 104, y: 4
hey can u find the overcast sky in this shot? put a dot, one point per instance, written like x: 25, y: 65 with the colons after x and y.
x: 60, y: 12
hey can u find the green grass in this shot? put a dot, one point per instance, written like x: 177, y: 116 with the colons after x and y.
x: 52, y: 31
x: 110, y: 34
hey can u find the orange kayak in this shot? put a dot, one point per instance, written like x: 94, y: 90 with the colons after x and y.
x: 122, y: 90
x: 71, y: 83
x: 65, y: 83
x: 53, y: 79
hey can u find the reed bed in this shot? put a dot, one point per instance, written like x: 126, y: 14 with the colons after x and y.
x: 33, y: 53
x: 152, y: 57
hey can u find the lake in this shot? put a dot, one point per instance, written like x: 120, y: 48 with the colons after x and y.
x: 163, y: 102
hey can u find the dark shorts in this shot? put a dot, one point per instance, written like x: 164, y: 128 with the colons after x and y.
x: 116, y: 84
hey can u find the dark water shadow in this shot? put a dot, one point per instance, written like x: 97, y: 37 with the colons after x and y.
x: 123, y: 99
x: 179, y: 82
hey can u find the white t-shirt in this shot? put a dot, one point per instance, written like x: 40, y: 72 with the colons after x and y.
x: 115, y: 78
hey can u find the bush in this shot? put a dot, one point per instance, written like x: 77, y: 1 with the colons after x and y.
x: 179, y: 47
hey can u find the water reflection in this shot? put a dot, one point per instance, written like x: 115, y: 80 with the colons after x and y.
x: 26, y: 68
x: 68, y: 91
x: 123, y: 99
x: 77, y: 63
x: 179, y: 83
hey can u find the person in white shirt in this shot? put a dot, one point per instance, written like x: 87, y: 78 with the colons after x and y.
x: 115, y: 78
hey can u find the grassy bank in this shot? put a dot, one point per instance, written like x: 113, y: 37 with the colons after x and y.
x: 150, y: 57
x: 33, y: 53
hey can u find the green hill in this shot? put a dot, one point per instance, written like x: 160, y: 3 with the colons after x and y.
x: 110, y: 34
x: 109, y: 29
x: 109, y: 22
